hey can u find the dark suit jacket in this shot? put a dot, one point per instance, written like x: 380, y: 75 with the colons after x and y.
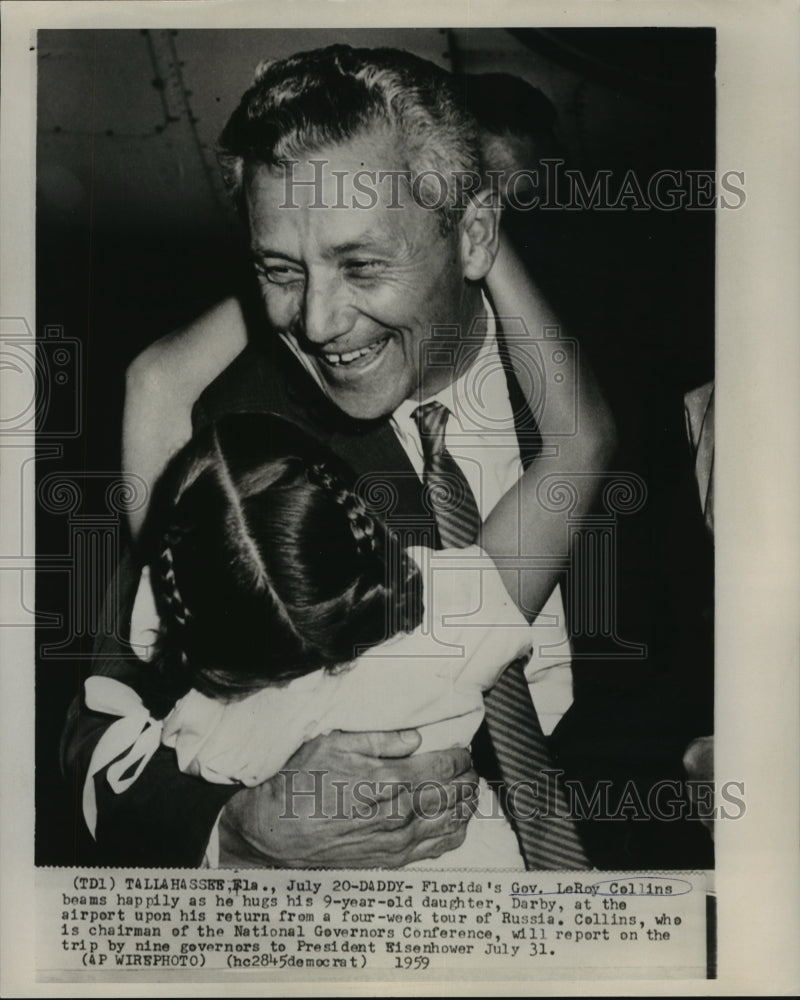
x: 166, y: 816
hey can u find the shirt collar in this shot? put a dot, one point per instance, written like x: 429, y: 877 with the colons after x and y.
x: 462, y: 397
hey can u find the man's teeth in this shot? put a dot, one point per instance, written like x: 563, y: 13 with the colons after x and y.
x: 348, y: 357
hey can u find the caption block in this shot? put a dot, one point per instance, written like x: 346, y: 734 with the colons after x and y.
x: 309, y: 925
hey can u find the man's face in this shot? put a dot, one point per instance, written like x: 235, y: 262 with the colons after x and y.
x: 358, y: 289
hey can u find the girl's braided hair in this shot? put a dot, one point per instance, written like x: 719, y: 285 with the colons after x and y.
x: 265, y: 564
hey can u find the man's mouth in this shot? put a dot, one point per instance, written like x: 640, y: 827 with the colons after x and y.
x: 358, y: 358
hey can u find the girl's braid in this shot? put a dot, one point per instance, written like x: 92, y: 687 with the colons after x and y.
x: 169, y: 585
x: 361, y: 523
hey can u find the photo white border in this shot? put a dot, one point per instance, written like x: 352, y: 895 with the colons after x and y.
x: 757, y: 469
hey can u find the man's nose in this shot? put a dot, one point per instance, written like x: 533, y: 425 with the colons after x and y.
x: 327, y: 310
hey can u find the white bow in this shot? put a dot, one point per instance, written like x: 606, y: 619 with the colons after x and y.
x: 136, y: 734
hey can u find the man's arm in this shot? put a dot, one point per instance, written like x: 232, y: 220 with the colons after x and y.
x: 165, y: 817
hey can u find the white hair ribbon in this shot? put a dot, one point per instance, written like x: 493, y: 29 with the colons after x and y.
x: 135, y: 734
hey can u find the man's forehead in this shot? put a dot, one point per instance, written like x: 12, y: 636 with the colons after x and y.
x: 335, y: 232
x: 339, y: 194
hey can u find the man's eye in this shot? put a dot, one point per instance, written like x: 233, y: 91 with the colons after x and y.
x: 280, y: 274
x: 363, y: 268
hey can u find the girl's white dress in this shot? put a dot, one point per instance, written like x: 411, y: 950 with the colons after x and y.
x: 431, y: 680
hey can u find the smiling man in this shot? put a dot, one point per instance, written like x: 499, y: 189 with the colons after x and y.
x: 354, y: 171
x: 357, y: 292
x: 355, y: 205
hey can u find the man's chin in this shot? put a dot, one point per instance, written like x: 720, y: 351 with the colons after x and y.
x: 367, y: 410
x: 369, y: 394
x: 368, y: 399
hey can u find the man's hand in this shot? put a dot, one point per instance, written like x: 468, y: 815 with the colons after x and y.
x: 352, y: 800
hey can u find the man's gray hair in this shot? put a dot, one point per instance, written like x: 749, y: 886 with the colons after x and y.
x: 329, y: 96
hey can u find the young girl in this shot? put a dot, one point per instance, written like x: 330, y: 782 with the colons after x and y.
x: 286, y: 611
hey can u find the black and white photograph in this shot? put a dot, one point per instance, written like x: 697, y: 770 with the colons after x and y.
x: 371, y: 467
x: 185, y: 208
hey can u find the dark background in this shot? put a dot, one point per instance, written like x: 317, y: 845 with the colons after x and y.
x: 135, y: 237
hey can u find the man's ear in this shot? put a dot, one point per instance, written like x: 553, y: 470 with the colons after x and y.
x: 480, y: 234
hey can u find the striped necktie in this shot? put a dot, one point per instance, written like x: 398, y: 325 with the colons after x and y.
x: 447, y: 491
x: 533, y: 798
x: 532, y: 795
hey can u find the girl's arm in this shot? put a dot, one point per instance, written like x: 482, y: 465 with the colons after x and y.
x: 519, y: 527
x: 162, y: 385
